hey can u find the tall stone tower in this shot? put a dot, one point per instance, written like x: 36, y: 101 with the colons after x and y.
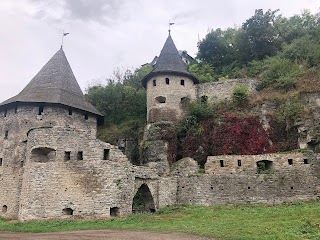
x: 169, y: 86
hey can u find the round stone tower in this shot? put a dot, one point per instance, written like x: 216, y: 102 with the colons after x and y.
x: 51, y: 100
x: 169, y: 86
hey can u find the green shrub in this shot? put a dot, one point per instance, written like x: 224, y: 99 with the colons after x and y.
x: 289, y: 110
x: 240, y: 94
x: 279, y: 73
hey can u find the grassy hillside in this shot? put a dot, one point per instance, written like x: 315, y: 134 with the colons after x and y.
x: 299, y: 220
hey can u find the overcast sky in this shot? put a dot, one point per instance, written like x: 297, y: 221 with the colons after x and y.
x: 109, y: 34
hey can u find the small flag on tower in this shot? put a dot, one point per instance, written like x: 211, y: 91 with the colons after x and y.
x: 65, y: 34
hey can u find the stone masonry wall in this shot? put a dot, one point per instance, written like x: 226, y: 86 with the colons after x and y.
x: 89, y: 186
x: 298, y: 181
x: 222, y: 90
x: 15, y: 124
x: 174, y: 92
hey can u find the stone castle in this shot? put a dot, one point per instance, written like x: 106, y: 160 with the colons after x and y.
x: 52, y: 165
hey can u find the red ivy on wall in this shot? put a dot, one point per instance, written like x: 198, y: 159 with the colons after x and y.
x: 241, y: 136
x: 233, y: 135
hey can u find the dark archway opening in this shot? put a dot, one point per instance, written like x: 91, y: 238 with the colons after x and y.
x: 143, y: 201
x: 4, y: 208
x: 264, y: 166
x: 114, y: 212
x: 43, y: 154
x: 67, y: 211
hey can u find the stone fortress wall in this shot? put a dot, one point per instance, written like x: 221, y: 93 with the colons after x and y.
x: 52, y: 165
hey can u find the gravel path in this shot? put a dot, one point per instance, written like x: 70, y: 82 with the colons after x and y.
x: 100, y: 235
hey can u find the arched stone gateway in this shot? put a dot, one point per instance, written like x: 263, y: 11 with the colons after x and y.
x: 143, y: 201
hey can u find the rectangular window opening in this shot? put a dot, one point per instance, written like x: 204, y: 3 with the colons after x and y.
x: 5, y: 113
x: 86, y: 116
x: 67, y: 155
x: 239, y: 163
x: 40, y: 110
x: 16, y: 109
x: 221, y: 163
x: 0, y: 161
x: 70, y: 111
x: 80, y: 155
x: 167, y: 81
x: 290, y: 161
x: 154, y: 82
x: 6, y: 134
x: 306, y: 161
x: 182, y: 82
x: 106, y: 154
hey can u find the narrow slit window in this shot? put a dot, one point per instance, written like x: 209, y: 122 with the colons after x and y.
x: 70, y: 111
x: 67, y: 155
x: 182, y: 82
x: 80, y: 155
x: 221, y: 163
x: 154, y: 82
x: 41, y: 108
x: 167, y: 81
x: 16, y: 109
x: 6, y: 134
x: 290, y: 161
x: 239, y: 163
x: 5, y: 113
x: 106, y: 154
x: 86, y: 116
x: 0, y: 161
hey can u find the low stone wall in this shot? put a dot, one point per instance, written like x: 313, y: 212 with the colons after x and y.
x: 229, y: 164
x: 222, y: 90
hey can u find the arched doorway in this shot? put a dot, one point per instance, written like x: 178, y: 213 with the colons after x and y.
x: 143, y: 201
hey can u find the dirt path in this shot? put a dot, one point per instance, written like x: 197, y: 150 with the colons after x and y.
x: 100, y: 235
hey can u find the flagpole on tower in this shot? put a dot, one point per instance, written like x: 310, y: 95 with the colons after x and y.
x: 170, y: 23
x: 63, y: 35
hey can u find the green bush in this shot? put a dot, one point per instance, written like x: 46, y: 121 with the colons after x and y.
x: 240, y: 94
x: 279, y: 73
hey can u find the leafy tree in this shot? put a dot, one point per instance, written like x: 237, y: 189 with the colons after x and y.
x: 217, y: 49
x: 261, y: 35
x: 203, y: 71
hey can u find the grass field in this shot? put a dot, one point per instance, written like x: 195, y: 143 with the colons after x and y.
x: 298, y: 220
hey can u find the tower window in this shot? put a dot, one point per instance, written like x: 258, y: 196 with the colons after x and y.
x: 154, y: 82
x: 86, y: 116
x: 160, y: 99
x: 182, y: 82
x: 70, y: 111
x: 80, y: 155
x: 106, y: 154
x: 6, y: 134
x: 0, y: 161
x: 167, y: 81
x: 290, y: 161
x: 40, y: 110
x: 16, y: 109
x: 5, y: 113
x: 67, y: 155
x: 221, y: 163
x: 239, y: 163
x: 306, y: 161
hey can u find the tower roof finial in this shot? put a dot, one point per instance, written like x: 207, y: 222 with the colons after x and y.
x: 170, y: 23
x: 63, y: 35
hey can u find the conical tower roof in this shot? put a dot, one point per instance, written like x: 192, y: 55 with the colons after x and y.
x: 169, y: 62
x: 55, y: 83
